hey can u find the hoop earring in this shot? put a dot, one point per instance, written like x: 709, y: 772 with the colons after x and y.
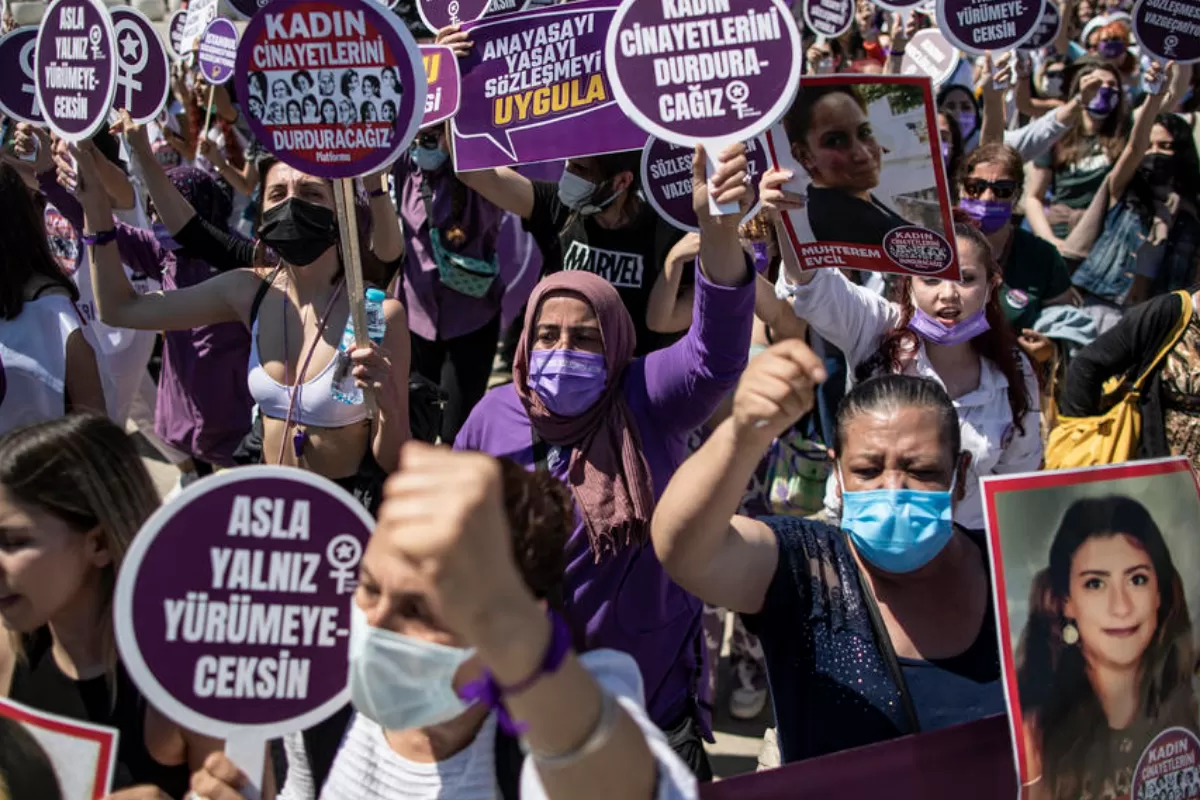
x: 1070, y: 633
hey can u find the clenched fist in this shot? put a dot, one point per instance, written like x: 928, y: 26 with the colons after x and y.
x: 776, y: 390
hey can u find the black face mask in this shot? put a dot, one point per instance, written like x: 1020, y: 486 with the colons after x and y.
x: 1158, y: 169
x: 299, y: 231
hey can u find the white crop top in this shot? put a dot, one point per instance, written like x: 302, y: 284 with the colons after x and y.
x: 315, y: 407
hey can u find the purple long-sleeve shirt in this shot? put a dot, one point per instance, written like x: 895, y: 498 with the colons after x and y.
x: 204, y: 401
x: 434, y: 311
x: 627, y: 602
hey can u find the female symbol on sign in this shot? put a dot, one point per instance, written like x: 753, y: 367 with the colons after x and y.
x: 343, y: 554
x: 132, y: 44
x: 95, y: 35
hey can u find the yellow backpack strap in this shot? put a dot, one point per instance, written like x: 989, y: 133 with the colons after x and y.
x: 1176, y: 334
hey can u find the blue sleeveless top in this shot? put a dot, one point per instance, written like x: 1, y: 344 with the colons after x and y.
x: 830, y: 683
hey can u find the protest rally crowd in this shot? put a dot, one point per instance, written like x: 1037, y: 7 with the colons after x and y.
x: 590, y: 421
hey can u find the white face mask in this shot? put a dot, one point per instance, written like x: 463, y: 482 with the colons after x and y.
x: 574, y: 191
x: 401, y: 682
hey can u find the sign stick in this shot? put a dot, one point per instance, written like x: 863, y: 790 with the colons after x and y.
x: 212, y: 88
x: 247, y: 750
x: 343, y: 195
x: 714, y: 208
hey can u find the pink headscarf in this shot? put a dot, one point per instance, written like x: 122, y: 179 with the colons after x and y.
x: 608, y: 473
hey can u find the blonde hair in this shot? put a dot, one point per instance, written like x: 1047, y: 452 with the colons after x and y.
x: 85, y: 471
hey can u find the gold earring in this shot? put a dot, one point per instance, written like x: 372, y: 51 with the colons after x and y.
x: 1070, y: 634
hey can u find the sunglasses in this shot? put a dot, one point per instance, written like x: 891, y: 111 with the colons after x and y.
x: 1004, y: 190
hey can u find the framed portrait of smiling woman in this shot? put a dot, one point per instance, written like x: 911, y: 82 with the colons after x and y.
x: 868, y: 176
x: 1097, y: 580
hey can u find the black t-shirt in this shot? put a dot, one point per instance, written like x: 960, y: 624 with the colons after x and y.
x: 631, y: 258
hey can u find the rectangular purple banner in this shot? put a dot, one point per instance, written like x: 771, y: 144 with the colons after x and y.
x: 971, y: 760
x: 534, y: 89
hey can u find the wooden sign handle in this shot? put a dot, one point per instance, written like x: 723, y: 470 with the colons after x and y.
x: 343, y: 196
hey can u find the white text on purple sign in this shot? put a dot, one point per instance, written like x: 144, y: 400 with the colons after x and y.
x: 60, y: 76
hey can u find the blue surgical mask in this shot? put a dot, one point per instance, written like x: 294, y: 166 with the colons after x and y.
x: 898, y: 530
x: 568, y: 381
x: 399, y: 681
x: 574, y: 191
x: 429, y: 159
x: 164, y: 237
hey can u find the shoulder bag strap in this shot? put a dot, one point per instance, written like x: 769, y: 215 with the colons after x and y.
x: 884, y: 642
x: 261, y: 294
x: 1169, y: 344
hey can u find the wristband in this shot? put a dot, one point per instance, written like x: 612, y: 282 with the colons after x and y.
x: 597, y: 737
x: 97, y: 239
x: 377, y: 193
x: 899, y: 52
x: 487, y: 691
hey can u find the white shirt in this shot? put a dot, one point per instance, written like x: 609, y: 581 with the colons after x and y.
x: 855, y: 320
x: 366, y: 767
x: 33, y: 361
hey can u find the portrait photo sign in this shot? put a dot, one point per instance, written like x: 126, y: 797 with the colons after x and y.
x: 534, y: 89
x: 1095, y: 574
x: 18, y: 92
x: 887, y: 209
x: 44, y: 755
x: 75, y: 67
x: 143, y: 71
x: 333, y: 88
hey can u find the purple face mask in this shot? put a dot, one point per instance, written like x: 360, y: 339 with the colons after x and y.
x: 568, y: 381
x: 1105, y: 101
x: 966, y: 123
x: 933, y: 331
x: 991, y: 215
x: 1111, y: 48
x: 946, y: 151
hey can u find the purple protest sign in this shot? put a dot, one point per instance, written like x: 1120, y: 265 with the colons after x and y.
x: 444, y: 81
x: 218, y: 51
x: 703, y: 71
x: 143, y: 79
x: 232, y: 607
x: 534, y: 89
x: 246, y: 9
x: 931, y: 55
x: 667, y: 179
x: 1169, y: 30
x: 18, y: 93
x: 438, y: 14
x: 75, y: 67
x: 828, y: 18
x: 334, y: 88
x: 175, y: 25
x: 979, y: 26
x: 1047, y: 29
x: 898, y: 5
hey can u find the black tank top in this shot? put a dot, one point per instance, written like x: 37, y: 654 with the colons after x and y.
x: 40, y: 684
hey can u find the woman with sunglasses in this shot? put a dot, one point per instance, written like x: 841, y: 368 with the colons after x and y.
x: 1034, y: 275
x: 453, y: 333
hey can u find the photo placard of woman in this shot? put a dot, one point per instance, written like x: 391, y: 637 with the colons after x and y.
x: 1094, y: 573
x: 867, y: 186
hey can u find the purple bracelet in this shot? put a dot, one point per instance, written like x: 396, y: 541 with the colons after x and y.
x: 487, y: 691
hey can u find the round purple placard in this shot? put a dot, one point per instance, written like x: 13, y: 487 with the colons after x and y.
x: 246, y: 9
x: 333, y: 88
x: 75, y: 67
x: 980, y: 26
x: 667, y: 179
x: 175, y: 32
x: 715, y: 71
x: 232, y: 607
x: 218, y: 51
x: 1047, y: 29
x: 828, y: 18
x: 143, y: 77
x: 1169, y: 30
x: 1168, y: 768
x: 18, y: 94
x: 918, y: 250
x: 438, y: 14
x: 929, y: 54
x: 898, y: 5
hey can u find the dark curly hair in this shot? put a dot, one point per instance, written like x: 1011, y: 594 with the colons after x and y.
x: 998, y: 344
x: 541, y: 515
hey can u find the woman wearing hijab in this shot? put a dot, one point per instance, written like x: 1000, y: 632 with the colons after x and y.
x: 614, y: 428
x: 204, y: 407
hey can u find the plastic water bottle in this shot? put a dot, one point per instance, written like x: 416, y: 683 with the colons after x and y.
x: 344, y: 389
